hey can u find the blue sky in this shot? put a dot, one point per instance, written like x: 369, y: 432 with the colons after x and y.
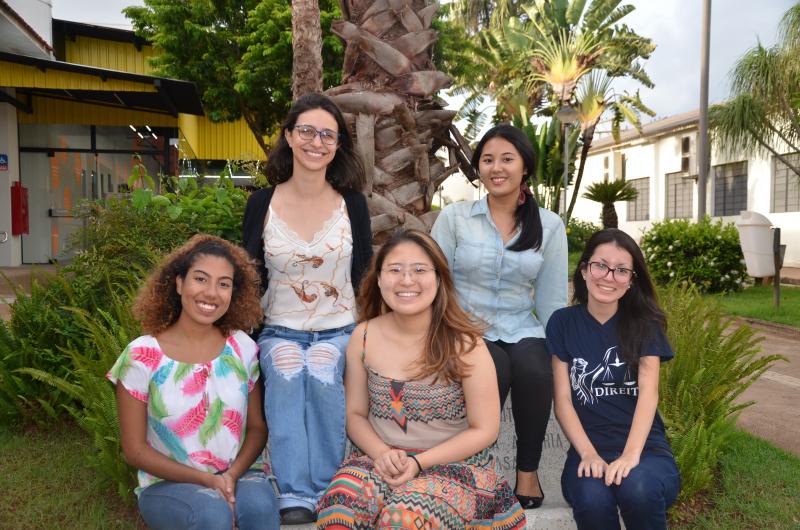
x: 674, y: 25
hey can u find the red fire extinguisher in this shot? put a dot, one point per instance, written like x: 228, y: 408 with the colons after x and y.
x: 19, y: 209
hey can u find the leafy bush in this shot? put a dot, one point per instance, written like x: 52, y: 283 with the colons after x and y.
x: 578, y: 234
x: 715, y: 362
x: 93, y: 404
x: 706, y: 254
x: 121, y: 241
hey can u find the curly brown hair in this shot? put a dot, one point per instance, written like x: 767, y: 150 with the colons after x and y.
x: 452, y: 332
x: 158, y: 304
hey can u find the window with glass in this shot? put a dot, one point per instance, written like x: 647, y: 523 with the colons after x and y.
x: 786, y: 185
x: 679, y: 196
x: 730, y: 188
x: 639, y: 208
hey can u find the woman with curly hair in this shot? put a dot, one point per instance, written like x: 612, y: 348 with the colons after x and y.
x: 422, y: 405
x: 311, y: 233
x: 188, y: 397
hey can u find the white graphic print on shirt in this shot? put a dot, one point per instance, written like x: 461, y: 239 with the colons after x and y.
x: 605, y: 379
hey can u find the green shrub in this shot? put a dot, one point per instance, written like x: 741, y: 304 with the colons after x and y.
x: 121, y: 241
x: 706, y: 254
x: 715, y: 361
x: 578, y: 233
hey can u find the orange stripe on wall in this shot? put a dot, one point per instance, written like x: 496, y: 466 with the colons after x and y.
x: 67, y: 197
x: 54, y: 238
x: 55, y: 179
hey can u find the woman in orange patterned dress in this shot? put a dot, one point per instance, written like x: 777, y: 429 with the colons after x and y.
x: 422, y: 405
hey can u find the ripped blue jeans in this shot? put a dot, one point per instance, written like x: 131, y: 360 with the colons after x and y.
x: 304, y: 406
x: 170, y: 505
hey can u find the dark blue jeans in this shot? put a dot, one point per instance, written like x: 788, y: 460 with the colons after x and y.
x: 642, y: 498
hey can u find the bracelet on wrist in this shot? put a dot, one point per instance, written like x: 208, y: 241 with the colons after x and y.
x: 419, y: 466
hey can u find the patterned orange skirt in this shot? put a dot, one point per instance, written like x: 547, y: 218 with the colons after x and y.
x: 468, y: 495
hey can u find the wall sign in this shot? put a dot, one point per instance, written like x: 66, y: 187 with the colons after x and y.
x: 3, y: 162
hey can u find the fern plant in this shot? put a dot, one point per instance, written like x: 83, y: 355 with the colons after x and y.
x: 715, y: 362
x: 95, y: 407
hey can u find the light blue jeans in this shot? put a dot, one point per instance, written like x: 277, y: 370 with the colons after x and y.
x: 181, y: 506
x: 304, y: 407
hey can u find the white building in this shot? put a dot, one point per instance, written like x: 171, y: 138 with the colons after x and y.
x: 661, y: 163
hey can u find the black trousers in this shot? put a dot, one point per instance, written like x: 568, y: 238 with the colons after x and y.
x: 524, y: 368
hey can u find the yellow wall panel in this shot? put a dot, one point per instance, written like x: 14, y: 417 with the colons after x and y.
x: 122, y: 56
x: 23, y: 76
x: 220, y: 141
x: 56, y: 111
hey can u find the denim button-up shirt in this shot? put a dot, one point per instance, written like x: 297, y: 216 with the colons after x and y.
x: 500, y: 286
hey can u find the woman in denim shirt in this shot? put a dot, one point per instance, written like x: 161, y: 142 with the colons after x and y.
x: 509, y: 262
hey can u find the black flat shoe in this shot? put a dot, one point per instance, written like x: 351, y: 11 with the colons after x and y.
x: 297, y: 515
x: 530, y: 503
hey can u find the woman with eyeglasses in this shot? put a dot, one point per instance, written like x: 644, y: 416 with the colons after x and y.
x: 310, y: 232
x: 509, y: 262
x: 606, y: 354
x: 422, y: 405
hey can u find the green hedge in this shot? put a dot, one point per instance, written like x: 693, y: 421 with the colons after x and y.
x: 706, y: 254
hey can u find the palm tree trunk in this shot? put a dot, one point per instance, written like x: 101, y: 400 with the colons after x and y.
x: 609, y: 216
x: 306, y: 48
x: 388, y: 94
x: 586, y: 138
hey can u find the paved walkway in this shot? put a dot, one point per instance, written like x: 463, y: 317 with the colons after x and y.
x: 776, y: 414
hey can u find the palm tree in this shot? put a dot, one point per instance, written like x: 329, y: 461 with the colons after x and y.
x: 306, y: 48
x: 543, y: 48
x: 388, y: 93
x: 607, y: 193
x: 764, y: 110
x: 595, y: 97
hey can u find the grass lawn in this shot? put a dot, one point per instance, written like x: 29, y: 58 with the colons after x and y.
x: 758, y: 488
x: 45, y: 484
x: 756, y: 302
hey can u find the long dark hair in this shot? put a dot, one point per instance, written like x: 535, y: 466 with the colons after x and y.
x: 451, y: 332
x: 527, y: 213
x: 640, y: 316
x: 344, y: 173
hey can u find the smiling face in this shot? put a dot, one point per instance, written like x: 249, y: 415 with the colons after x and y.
x: 312, y: 155
x: 501, y: 168
x: 607, y: 290
x: 408, y: 280
x: 206, y: 290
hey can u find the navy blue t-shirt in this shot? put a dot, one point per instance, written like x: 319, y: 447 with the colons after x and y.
x: 604, y: 390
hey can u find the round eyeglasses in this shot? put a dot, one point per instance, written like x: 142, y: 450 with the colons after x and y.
x: 308, y: 132
x: 416, y: 270
x: 600, y: 270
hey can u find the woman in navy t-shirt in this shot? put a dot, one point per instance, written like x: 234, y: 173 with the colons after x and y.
x: 606, y: 354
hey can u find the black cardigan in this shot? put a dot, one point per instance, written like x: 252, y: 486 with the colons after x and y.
x: 356, y: 203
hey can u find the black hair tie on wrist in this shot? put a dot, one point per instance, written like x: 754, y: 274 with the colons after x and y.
x: 419, y: 466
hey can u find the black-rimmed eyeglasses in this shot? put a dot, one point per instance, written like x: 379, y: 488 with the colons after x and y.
x: 600, y: 270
